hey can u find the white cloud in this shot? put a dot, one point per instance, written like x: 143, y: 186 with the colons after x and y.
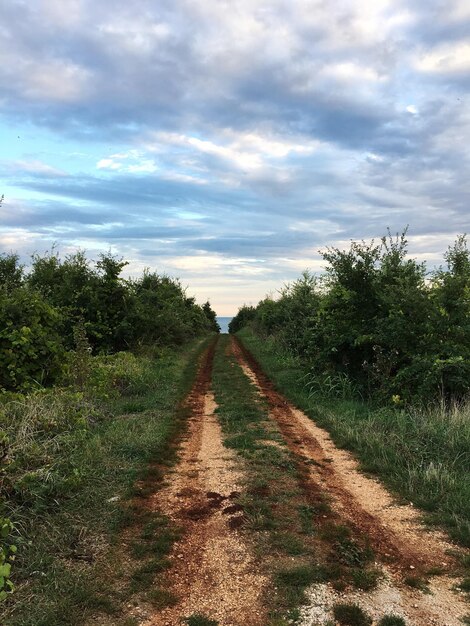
x: 34, y: 166
x: 449, y: 58
x: 320, y: 121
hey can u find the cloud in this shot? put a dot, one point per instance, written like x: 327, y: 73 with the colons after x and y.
x: 34, y: 167
x: 229, y: 142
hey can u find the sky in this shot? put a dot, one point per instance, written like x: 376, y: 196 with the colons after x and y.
x: 226, y: 142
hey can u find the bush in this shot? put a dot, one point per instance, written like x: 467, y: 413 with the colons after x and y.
x: 83, y: 307
x: 373, y: 321
x: 31, y: 350
x: 350, y: 615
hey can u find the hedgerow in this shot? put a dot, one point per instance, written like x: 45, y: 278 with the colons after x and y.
x: 40, y: 313
x: 377, y: 321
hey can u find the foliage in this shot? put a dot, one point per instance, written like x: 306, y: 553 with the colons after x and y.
x: 244, y: 315
x: 162, y: 313
x: 11, y: 272
x: 197, y: 619
x: 392, y: 620
x: 71, y: 462
x: 211, y: 316
x: 350, y: 615
x: 7, y: 556
x: 375, y: 324
x: 31, y: 350
x: 75, y: 305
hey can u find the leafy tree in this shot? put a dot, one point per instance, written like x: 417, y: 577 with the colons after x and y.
x: 31, y: 350
x: 374, y: 319
x: 41, y: 313
x: 211, y: 317
x: 245, y: 314
x: 11, y: 272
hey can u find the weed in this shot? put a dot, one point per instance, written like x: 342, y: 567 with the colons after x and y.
x: 465, y: 561
x: 391, y: 620
x: 307, y: 518
x: 335, y: 533
x: 279, y: 621
x: 416, y: 582
x: 200, y: 620
x: 289, y: 543
x: 351, y: 615
x: 300, y: 576
x: 350, y: 553
x: 161, y: 598
x: 143, y: 577
x: 366, y: 579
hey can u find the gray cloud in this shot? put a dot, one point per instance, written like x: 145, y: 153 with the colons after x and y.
x: 259, y: 129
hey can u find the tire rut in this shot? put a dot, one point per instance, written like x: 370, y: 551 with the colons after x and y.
x: 401, y: 543
x: 212, y: 570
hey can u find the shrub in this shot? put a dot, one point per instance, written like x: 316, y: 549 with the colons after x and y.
x: 392, y: 620
x: 351, y: 615
x: 373, y: 326
x: 31, y: 350
x: 7, y: 556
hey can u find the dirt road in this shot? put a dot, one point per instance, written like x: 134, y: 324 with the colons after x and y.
x: 214, y: 571
x: 404, y: 548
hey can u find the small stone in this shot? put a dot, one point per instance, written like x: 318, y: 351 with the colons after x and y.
x: 412, y: 567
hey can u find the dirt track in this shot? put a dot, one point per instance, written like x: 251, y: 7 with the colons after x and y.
x: 402, y: 545
x: 212, y: 573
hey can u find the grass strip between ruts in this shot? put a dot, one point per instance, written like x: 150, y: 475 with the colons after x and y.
x: 296, y: 534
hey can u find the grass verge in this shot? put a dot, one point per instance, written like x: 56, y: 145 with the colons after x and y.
x: 78, y: 464
x: 424, y: 455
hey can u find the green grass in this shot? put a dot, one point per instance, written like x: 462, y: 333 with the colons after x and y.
x: 77, y: 459
x: 200, y: 620
x: 366, y: 579
x: 416, y: 582
x: 423, y: 455
x: 351, y: 615
x: 391, y: 620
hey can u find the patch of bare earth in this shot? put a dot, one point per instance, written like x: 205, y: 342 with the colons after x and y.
x: 212, y: 570
x: 403, y: 546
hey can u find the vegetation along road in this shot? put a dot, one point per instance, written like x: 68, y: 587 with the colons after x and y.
x: 278, y: 525
x: 218, y: 479
x: 260, y: 519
